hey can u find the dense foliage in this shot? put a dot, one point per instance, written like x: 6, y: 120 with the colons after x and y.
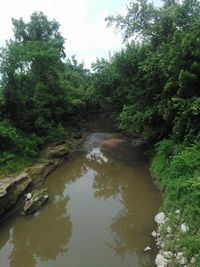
x: 153, y: 87
x: 155, y: 82
x: 177, y: 170
x: 40, y: 90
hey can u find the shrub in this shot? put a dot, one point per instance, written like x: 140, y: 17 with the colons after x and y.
x: 178, y: 171
x: 9, y: 136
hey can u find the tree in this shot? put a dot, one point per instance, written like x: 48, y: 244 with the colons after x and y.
x: 155, y: 82
x: 31, y: 67
x: 137, y: 22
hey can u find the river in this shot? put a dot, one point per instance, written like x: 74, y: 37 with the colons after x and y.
x: 100, y: 213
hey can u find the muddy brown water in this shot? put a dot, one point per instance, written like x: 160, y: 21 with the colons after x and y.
x: 100, y: 214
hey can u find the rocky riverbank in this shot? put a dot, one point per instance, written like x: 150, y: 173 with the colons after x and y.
x: 170, y: 228
x: 13, y: 186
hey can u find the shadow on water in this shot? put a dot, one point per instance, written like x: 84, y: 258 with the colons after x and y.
x: 28, y: 241
x: 100, y: 213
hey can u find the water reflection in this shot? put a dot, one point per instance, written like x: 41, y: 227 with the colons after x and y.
x: 45, y: 241
x: 132, y: 225
x: 100, y: 214
x: 97, y: 155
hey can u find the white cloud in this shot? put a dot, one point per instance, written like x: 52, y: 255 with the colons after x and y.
x: 86, y: 34
x: 82, y: 23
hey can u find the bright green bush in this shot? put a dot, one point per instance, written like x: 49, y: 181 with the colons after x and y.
x: 12, y: 140
x: 16, y: 150
x: 9, y: 136
x: 56, y: 133
x: 13, y: 163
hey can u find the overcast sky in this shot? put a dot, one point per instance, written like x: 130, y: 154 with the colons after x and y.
x: 82, y: 23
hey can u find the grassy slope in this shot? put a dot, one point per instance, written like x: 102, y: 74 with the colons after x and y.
x: 177, y: 170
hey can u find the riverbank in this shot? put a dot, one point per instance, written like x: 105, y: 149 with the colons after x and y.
x: 14, y: 185
x: 21, y: 173
x: 102, y: 193
x: 176, y: 169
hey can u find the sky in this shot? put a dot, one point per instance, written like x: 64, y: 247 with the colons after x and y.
x: 82, y: 24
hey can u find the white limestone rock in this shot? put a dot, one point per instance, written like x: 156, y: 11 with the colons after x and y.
x: 28, y: 196
x: 179, y: 255
x: 184, y: 228
x: 160, y: 218
x: 38, y: 198
x: 154, y: 234
x: 183, y: 261
x: 169, y: 229
x: 147, y: 249
x: 160, y: 260
x: 168, y: 254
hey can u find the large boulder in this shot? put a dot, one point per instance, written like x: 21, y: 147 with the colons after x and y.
x: 11, y: 188
x: 35, y: 201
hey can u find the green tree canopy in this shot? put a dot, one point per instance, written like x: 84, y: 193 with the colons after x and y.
x: 31, y: 67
